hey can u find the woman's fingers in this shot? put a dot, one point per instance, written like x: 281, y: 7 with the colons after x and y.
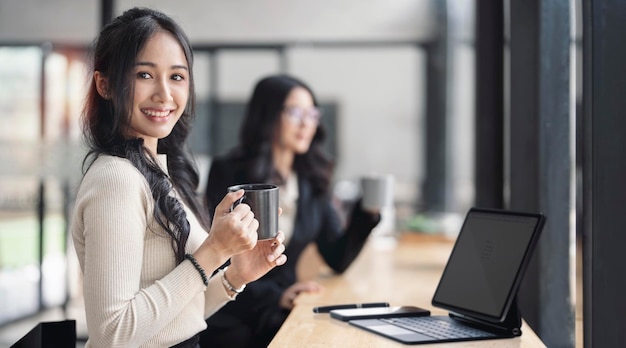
x: 276, y: 253
x: 236, y: 230
x: 281, y: 260
x: 245, y: 219
x: 293, y: 291
x: 225, y: 206
x: 279, y: 239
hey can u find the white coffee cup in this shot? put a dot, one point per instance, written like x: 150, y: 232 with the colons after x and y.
x: 377, y: 190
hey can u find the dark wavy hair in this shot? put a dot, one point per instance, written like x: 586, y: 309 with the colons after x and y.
x: 105, y: 122
x: 259, y: 128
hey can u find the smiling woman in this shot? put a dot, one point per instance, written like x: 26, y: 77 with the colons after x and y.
x: 138, y: 229
x: 161, y: 89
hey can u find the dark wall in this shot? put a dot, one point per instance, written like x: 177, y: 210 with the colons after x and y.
x: 535, y: 159
x: 604, y: 172
x: 489, y: 128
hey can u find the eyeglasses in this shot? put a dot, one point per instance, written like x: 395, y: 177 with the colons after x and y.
x: 297, y: 115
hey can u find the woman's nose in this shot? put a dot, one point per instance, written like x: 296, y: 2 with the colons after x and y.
x: 163, y: 91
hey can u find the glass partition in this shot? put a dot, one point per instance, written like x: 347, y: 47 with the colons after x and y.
x: 40, y: 93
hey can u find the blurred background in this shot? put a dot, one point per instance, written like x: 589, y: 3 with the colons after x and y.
x: 442, y: 94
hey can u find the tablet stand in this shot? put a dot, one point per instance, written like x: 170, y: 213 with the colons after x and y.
x: 511, y: 325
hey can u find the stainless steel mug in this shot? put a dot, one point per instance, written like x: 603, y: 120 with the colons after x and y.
x: 263, y: 200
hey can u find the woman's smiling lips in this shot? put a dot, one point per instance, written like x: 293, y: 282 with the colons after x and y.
x: 156, y: 115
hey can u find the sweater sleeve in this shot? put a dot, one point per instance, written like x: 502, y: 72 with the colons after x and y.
x: 113, y: 213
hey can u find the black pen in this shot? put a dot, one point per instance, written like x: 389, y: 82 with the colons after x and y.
x: 326, y: 309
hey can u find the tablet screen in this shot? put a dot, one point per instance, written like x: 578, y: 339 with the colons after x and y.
x: 487, y: 263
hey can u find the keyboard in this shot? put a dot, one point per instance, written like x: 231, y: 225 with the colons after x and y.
x: 437, y: 327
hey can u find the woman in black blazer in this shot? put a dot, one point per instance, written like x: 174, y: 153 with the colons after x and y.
x: 281, y: 143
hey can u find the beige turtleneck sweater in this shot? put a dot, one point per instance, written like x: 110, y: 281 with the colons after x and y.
x: 135, y: 294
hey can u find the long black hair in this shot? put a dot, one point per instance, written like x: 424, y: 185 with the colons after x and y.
x: 106, y: 121
x: 259, y: 129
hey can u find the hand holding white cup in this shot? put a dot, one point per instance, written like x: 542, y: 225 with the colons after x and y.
x: 377, y: 192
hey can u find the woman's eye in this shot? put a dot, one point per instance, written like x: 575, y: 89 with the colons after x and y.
x: 178, y: 77
x: 143, y: 75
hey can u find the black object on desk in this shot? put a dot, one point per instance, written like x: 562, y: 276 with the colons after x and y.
x: 57, y: 334
x: 378, y: 313
x: 327, y: 309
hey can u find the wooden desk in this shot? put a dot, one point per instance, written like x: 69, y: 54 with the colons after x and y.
x: 406, y: 273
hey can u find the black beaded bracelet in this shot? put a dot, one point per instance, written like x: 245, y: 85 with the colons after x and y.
x: 195, y: 263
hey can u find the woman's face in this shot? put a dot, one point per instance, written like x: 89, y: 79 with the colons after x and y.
x: 161, y: 89
x: 299, y: 120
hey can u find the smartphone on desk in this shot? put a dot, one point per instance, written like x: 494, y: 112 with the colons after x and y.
x: 378, y: 312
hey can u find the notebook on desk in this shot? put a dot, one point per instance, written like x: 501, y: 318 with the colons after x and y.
x: 479, y: 283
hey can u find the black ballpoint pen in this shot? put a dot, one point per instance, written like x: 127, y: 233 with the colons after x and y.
x: 327, y: 309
